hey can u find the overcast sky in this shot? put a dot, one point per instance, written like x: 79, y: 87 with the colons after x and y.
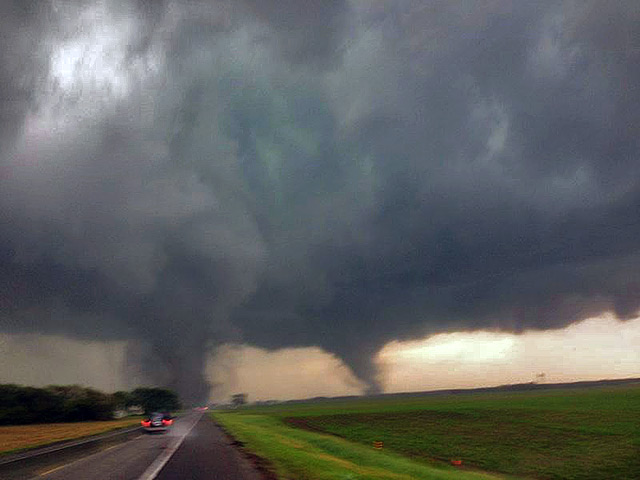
x: 177, y: 177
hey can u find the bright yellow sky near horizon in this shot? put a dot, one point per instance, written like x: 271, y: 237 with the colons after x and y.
x: 593, y: 349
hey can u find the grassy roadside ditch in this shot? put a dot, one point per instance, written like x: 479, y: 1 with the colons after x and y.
x: 573, y: 434
x: 303, y: 455
x: 16, y: 438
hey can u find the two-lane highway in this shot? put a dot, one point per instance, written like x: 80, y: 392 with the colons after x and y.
x: 194, y: 448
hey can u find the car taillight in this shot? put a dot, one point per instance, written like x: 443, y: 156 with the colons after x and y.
x: 167, y: 422
x: 146, y: 423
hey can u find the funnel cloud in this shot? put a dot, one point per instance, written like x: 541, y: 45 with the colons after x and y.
x: 340, y: 174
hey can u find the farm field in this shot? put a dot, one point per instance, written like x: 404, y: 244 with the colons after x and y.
x: 590, y: 433
x: 302, y: 455
x: 18, y: 437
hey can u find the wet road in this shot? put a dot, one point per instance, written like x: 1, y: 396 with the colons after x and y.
x: 194, y: 448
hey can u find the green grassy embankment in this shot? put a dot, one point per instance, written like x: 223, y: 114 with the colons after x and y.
x: 555, y: 434
x: 302, y: 455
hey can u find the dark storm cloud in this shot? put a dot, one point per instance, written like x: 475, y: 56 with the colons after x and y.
x: 23, y: 63
x: 304, y: 32
x: 437, y: 167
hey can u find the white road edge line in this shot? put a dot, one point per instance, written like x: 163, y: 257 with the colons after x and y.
x: 154, y: 469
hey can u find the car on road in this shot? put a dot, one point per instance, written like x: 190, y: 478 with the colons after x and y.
x: 157, y: 422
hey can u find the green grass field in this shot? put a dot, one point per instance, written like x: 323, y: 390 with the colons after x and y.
x: 555, y: 434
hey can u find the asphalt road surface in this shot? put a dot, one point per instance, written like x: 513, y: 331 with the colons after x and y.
x: 194, y: 448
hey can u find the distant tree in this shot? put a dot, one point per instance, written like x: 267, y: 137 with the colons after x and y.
x: 82, y: 404
x: 73, y: 403
x: 23, y: 405
x: 239, y: 399
x: 155, y: 399
x: 121, y: 400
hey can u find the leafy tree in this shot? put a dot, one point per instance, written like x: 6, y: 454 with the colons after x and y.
x: 23, y: 405
x: 155, y: 399
x: 121, y: 400
x: 83, y: 404
x: 239, y: 399
x: 73, y: 403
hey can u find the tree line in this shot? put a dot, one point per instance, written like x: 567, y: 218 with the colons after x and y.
x: 20, y: 405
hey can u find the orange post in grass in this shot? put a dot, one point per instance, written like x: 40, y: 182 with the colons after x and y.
x: 378, y: 445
